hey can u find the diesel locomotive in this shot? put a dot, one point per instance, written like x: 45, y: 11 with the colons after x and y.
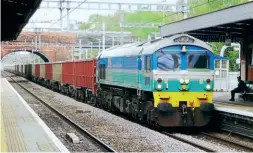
x: 167, y: 82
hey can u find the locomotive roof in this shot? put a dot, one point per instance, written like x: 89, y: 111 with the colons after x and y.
x: 134, y: 49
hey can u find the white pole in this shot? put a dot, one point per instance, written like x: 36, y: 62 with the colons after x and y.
x: 36, y: 40
x: 91, y: 48
x: 103, y: 36
x: 68, y: 18
x: 121, y: 28
x: 228, y: 86
x: 99, y: 45
x: 185, y: 8
x: 80, y: 48
x: 163, y: 14
x: 73, y: 53
x: 39, y: 41
x: 86, y: 51
x: 113, y: 41
x: 33, y: 53
x: 239, y: 55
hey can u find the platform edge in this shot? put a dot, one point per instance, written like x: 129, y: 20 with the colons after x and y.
x: 50, y: 134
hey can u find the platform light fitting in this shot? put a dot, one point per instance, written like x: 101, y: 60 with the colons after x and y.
x: 20, y: 14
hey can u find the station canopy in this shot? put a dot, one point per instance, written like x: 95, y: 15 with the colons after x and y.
x: 15, y: 15
x: 233, y: 23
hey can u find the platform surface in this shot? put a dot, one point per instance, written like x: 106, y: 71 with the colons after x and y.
x: 239, y: 106
x: 22, y: 130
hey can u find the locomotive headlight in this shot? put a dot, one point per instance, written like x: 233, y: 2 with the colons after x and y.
x: 184, y: 87
x: 159, y: 86
x: 181, y: 81
x: 208, y: 87
x: 187, y: 81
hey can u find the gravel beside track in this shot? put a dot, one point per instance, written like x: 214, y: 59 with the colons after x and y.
x: 120, y: 134
x: 241, y: 141
x: 56, y: 124
x: 211, y: 143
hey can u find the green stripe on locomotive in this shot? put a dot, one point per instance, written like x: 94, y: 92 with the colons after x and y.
x: 129, y: 78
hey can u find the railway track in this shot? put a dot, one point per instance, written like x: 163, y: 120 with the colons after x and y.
x: 163, y: 132
x: 248, y: 148
x: 216, y: 138
x: 83, y: 131
x: 188, y: 142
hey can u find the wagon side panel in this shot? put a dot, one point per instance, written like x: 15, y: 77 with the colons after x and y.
x: 57, y: 72
x: 90, y: 75
x: 33, y: 69
x: 42, y: 71
x: 37, y: 70
x: 79, y: 74
x: 49, y: 73
x: 68, y: 73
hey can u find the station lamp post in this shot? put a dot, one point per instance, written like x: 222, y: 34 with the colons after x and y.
x: 91, y: 43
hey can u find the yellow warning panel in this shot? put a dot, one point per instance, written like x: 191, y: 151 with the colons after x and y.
x: 3, y: 139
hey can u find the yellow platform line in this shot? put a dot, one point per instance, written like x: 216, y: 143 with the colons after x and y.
x: 3, y: 138
x: 14, y: 137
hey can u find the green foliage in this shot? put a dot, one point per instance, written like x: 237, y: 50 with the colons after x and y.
x: 90, y: 54
x: 229, y: 53
x: 198, y: 7
x: 112, y: 22
x: 84, y: 26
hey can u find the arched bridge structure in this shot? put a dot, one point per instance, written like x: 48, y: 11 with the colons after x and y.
x: 49, y: 46
x: 38, y: 53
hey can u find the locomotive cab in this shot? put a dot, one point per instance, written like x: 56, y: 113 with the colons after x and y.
x: 183, y: 84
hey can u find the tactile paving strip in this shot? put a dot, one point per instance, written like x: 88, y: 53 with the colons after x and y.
x: 3, y: 139
x: 14, y: 138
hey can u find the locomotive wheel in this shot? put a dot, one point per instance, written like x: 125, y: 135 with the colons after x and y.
x: 135, y: 111
x: 77, y: 96
x: 98, y: 102
x: 143, y: 117
x: 109, y: 105
x: 150, y: 107
x: 149, y: 117
x: 94, y: 99
x: 66, y: 91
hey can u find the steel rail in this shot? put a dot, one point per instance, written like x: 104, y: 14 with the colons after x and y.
x: 71, y: 122
x: 248, y: 148
x: 188, y: 142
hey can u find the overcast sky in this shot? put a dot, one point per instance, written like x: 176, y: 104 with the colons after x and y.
x: 82, y: 15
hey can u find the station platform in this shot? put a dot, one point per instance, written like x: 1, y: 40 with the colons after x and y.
x: 22, y: 130
x: 238, y: 107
